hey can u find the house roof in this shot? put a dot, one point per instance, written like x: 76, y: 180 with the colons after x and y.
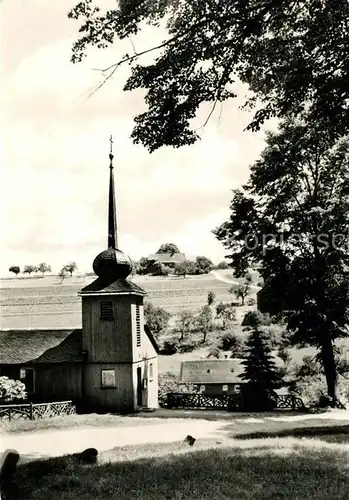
x: 118, y: 287
x: 23, y: 346
x: 167, y: 257
x: 211, y: 371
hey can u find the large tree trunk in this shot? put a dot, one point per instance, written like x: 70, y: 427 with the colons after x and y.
x: 329, y: 365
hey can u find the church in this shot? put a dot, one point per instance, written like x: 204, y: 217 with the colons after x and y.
x: 108, y: 365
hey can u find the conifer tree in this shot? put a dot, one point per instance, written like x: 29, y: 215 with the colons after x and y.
x: 260, y: 372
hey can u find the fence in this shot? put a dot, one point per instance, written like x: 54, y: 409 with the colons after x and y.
x: 32, y: 411
x: 230, y: 402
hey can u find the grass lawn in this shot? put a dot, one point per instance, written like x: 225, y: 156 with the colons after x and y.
x: 265, y: 472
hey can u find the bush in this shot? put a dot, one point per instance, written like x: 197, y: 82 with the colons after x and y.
x: 169, y: 347
x: 256, y: 318
x: 188, y: 346
x: 251, y: 301
x: 233, y: 343
x: 168, y: 382
x: 222, y: 265
x: 11, y: 390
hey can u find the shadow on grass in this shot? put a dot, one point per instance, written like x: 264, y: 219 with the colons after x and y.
x: 330, y: 433
x: 225, y: 473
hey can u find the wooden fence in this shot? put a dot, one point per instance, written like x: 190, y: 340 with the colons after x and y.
x: 230, y: 402
x: 32, y: 411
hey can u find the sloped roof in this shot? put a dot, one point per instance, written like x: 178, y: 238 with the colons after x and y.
x: 167, y: 257
x: 23, y: 346
x: 68, y: 351
x: 118, y: 287
x: 211, y: 371
x: 151, y: 338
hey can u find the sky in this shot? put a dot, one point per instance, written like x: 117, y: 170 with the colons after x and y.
x: 55, y: 146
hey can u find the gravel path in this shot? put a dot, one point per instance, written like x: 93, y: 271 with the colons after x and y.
x: 51, y: 443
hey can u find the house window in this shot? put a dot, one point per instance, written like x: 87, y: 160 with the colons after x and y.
x: 138, y: 326
x: 224, y: 387
x: 106, y: 310
x: 237, y: 388
x: 202, y: 388
x: 151, y: 372
x: 26, y: 376
x: 108, y: 378
x: 145, y: 383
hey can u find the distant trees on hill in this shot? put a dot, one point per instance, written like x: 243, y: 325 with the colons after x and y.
x: 15, y: 269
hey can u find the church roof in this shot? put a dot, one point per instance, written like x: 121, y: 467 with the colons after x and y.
x: 24, y: 346
x: 19, y: 347
x: 121, y: 287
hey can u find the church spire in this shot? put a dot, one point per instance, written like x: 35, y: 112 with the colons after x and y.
x: 112, y: 224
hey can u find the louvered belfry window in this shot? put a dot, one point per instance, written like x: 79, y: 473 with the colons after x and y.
x: 138, y: 326
x: 106, y: 310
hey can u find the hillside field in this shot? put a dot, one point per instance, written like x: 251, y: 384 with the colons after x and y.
x: 46, y: 303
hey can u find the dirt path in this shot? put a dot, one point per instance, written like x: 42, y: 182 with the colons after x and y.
x: 219, y: 277
x: 49, y: 443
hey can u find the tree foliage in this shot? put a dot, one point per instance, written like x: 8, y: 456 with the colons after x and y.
x: 30, y: 269
x: 204, y: 264
x: 15, y: 269
x: 291, y: 54
x: 292, y: 219
x: 70, y: 268
x: 43, y: 268
x: 226, y: 313
x: 169, y: 248
x: 259, y: 372
x: 205, y: 321
x: 185, y: 322
x: 156, y: 318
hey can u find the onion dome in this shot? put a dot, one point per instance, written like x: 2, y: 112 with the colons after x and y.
x: 112, y: 265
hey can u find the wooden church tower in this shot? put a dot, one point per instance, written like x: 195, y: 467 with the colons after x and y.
x: 120, y: 371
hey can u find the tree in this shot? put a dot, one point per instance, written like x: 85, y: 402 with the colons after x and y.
x: 142, y: 266
x: 204, y: 265
x: 62, y: 274
x: 292, y: 55
x: 156, y: 318
x: 291, y: 219
x: 186, y: 267
x: 170, y: 248
x: 15, y: 269
x: 205, y: 321
x: 223, y: 265
x: 259, y: 372
x: 226, y: 313
x: 185, y: 322
x: 29, y: 269
x: 210, y: 298
x: 241, y: 291
x: 44, y: 268
x: 70, y: 268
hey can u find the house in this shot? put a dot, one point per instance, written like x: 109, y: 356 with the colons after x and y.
x: 213, y: 376
x: 110, y: 364
x: 167, y: 259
